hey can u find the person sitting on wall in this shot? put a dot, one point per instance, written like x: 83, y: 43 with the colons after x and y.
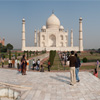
x: 95, y: 72
x: 42, y: 68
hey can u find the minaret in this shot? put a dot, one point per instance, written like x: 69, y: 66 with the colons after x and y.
x: 35, y: 42
x: 67, y: 37
x: 80, y: 35
x: 23, y: 34
x: 71, y: 38
x: 38, y: 37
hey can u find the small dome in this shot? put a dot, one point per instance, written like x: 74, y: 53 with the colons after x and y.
x: 23, y: 19
x: 80, y: 18
x: 61, y: 27
x: 43, y: 27
x: 53, y: 22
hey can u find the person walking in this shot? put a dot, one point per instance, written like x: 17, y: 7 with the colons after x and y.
x: 97, y: 65
x: 16, y: 63
x: 33, y: 64
x: 2, y: 63
x: 13, y: 63
x: 23, y: 65
x: 9, y: 64
x: 38, y: 64
x: 49, y: 65
x: 77, y: 65
x: 72, y: 60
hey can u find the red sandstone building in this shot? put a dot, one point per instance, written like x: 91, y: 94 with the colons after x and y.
x: 2, y: 41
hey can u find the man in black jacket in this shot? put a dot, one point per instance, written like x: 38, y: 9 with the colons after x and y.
x: 72, y: 60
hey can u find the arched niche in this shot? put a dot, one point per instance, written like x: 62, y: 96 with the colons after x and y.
x: 61, y: 37
x: 43, y: 37
x: 52, y: 40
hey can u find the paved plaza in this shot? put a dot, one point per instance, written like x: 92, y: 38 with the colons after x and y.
x: 51, y: 85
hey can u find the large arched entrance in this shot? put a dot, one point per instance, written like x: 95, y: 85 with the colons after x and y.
x: 52, y: 40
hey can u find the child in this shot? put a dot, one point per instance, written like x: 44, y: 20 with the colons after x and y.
x: 95, y: 72
x: 42, y: 68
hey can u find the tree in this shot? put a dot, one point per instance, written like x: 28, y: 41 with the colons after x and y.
x: 16, y: 55
x: 9, y: 46
x: 10, y: 55
x: 3, y: 48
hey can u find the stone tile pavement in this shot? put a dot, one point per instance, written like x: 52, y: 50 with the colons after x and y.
x: 52, y: 85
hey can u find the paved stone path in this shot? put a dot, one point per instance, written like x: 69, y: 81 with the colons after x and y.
x: 52, y: 85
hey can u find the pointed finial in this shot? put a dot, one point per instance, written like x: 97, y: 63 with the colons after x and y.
x: 52, y: 11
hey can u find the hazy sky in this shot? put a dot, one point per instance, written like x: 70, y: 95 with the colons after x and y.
x: 37, y: 12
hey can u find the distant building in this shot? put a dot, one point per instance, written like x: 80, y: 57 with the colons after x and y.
x: 2, y: 41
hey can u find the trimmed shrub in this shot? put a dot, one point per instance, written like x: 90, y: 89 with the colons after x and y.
x: 84, y: 59
x: 30, y: 53
x: 52, y: 56
x: 91, y: 53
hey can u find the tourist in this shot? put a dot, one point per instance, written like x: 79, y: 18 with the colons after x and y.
x: 23, y: 65
x: 38, y: 64
x: 95, y: 72
x: 2, y: 61
x: 15, y: 63
x: 27, y: 67
x: 77, y: 65
x: 42, y: 68
x: 49, y: 65
x: 9, y: 63
x: 18, y: 65
x: 33, y: 64
x: 97, y: 65
x: 72, y: 60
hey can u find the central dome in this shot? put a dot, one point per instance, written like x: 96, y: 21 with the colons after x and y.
x: 53, y: 22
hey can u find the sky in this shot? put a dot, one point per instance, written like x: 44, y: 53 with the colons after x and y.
x: 37, y: 12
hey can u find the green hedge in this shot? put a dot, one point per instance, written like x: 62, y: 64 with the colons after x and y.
x: 52, y: 56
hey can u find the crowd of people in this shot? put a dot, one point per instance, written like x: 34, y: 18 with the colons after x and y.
x: 72, y: 60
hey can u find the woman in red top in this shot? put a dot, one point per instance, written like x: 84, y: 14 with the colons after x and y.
x: 95, y: 72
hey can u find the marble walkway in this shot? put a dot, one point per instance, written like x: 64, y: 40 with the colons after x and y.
x: 51, y: 85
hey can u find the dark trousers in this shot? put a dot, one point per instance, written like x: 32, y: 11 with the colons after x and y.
x: 2, y: 65
x: 49, y: 68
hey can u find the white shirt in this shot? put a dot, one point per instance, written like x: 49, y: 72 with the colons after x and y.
x: 8, y: 61
x: 38, y: 62
x: 33, y: 62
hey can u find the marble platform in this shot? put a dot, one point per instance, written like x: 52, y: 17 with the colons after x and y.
x: 51, y: 85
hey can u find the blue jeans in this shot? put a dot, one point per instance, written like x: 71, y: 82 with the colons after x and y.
x: 77, y: 71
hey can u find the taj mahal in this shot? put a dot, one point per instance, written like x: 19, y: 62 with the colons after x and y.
x: 53, y: 37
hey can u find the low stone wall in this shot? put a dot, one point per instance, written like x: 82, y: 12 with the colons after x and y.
x: 41, y: 57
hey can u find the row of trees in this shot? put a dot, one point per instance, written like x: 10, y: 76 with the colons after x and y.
x: 5, y: 48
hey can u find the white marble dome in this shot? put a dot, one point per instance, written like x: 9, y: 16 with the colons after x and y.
x: 53, y: 22
x: 44, y: 27
x: 61, y: 27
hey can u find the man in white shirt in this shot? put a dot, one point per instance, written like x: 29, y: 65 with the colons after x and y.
x: 33, y: 64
